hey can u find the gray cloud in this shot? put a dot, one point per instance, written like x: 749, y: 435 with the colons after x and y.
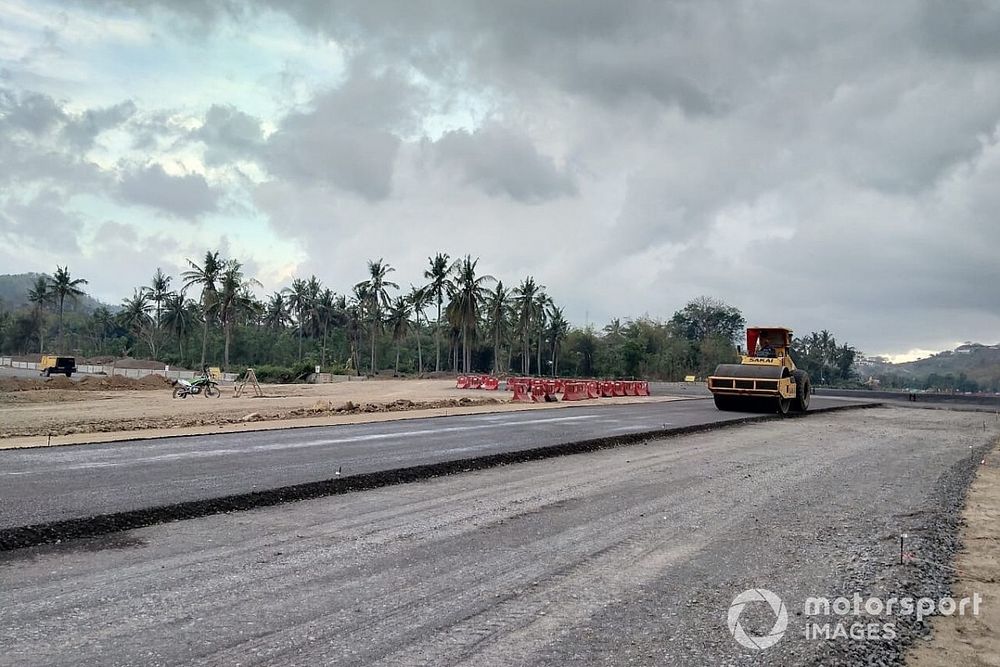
x: 348, y: 139
x: 841, y: 155
x: 229, y: 134
x: 40, y: 222
x: 185, y: 196
x: 81, y: 131
x: 502, y: 161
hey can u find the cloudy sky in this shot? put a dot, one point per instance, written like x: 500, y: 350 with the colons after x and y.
x: 823, y: 165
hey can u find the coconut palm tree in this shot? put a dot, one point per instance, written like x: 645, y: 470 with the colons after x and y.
x: 525, y: 295
x: 327, y: 313
x: 276, y: 312
x: 438, y: 275
x: 497, y: 307
x: 299, y: 303
x: 134, y: 316
x: 158, y: 291
x: 206, y: 278
x: 235, y: 302
x: 420, y: 299
x: 179, y: 316
x: 377, y: 296
x: 62, y: 286
x: 470, y: 293
x: 399, y: 323
x: 540, y: 315
x: 40, y: 295
x: 558, y: 329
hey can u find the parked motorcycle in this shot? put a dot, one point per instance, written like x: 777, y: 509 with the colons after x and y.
x: 200, y: 385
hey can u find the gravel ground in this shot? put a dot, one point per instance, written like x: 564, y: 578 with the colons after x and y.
x: 624, y: 556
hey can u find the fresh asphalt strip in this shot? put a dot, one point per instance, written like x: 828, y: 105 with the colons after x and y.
x: 102, y: 524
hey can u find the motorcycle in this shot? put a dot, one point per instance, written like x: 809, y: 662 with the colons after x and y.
x: 201, y: 385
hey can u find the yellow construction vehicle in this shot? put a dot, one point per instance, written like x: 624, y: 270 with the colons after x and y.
x: 50, y: 364
x: 765, y: 380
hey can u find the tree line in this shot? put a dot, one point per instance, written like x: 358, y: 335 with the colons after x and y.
x: 457, y: 319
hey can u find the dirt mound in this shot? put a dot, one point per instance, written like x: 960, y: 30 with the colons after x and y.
x: 87, y: 383
x: 155, y: 382
x: 20, y: 384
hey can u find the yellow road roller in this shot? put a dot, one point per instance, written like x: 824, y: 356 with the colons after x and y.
x: 765, y: 380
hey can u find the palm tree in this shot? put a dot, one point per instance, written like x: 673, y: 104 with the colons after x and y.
x: 540, y: 314
x: 65, y: 286
x: 179, y: 315
x: 327, y: 312
x: 134, y: 316
x: 420, y: 299
x: 40, y: 295
x: 558, y: 329
x: 299, y: 302
x: 276, y: 312
x: 205, y: 277
x: 399, y: 323
x: 497, y: 306
x: 235, y: 302
x: 470, y: 293
x: 437, y: 288
x: 158, y: 291
x: 102, y: 323
x: 377, y: 296
x: 525, y: 295
x: 354, y: 315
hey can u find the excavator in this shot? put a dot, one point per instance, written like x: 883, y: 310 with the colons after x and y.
x: 765, y: 380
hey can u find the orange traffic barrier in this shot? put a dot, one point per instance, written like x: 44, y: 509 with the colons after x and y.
x: 643, y: 389
x: 607, y: 389
x: 619, y: 388
x: 463, y: 382
x: 491, y: 383
x: 521, y: 393
x: 575, y: 391
x: 630, y: 388
x: 593, y: 390
x: 538, y: 393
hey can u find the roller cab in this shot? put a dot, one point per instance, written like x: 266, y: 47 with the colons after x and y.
x: 766, y: 379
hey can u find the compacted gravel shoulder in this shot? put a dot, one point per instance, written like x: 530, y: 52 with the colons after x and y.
x: 624, y: 556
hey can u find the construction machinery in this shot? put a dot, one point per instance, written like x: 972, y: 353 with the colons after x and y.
x: 50, y: 364
x: 766, y: 379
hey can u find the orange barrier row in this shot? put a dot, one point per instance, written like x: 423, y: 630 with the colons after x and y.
x: 527, y: 390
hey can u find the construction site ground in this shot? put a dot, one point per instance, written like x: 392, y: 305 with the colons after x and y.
x: 34, y: 412
x: 630, y: 555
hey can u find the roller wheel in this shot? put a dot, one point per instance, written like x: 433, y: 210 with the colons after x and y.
x: 784, y: 405
x: 803, y: 390
x: 724, y: 403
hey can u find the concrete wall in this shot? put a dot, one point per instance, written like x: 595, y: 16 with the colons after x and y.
x: 134, y: 373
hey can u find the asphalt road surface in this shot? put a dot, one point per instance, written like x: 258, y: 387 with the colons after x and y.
x: 49, y: 484
x: 628, y: 556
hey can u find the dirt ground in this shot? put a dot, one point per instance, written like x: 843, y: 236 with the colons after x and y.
x: 627, y: 556
x: 72, y: 415
x: 973, y: 640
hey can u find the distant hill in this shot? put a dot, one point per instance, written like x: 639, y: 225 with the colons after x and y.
x: 14, y: 294
x: 976, y: 361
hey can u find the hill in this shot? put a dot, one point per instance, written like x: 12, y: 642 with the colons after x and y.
x: 14, y: 294
x: 976, y: 362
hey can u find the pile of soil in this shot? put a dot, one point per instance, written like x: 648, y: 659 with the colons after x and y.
x: 322, y: 408
x: 88, y: 383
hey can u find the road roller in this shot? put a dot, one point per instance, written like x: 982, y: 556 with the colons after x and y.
x: 765, y: 380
